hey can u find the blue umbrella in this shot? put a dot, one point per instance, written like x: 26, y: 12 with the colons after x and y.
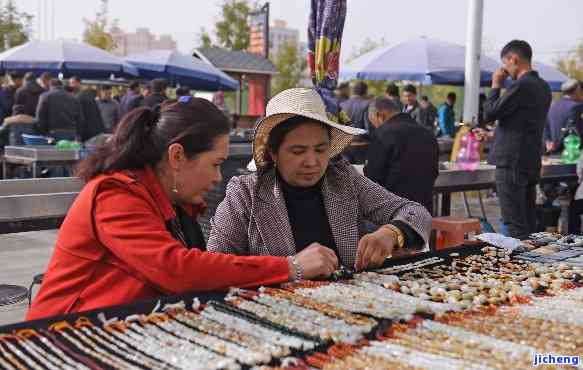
x: 425, y: 60
x: 181, y: 69
x: 66, y: 57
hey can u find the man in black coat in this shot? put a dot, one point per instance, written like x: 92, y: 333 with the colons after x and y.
x: 92, y: 124
x: 521, y: 114
x: 403, y: 155
x: 28, y: 94
x: 158, y: 96
x: 59, y: 113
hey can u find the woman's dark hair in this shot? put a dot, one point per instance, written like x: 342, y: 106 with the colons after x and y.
x: 279, y: 132
x: 143, y: 136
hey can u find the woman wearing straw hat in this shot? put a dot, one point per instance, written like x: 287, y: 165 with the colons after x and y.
x: 300, y: 198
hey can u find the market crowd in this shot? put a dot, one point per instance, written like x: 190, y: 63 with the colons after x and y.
x: 70, y: 110
x: 304, y: 213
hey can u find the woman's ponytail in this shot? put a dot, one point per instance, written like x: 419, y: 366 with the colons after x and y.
x: 143, y: 135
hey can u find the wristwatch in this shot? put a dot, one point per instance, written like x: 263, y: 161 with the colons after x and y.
x: 398, y: 234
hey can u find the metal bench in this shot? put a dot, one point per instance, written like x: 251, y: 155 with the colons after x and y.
x: 36, y: 204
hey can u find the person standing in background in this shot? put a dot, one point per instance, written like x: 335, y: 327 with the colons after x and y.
x: 427, y: 114
x: 28, y: 94
x: 131, y: 100
x: 158, y: 96
x: 92, y: 123
x: 521, y: 114
x: 183, y: 91
x: 109, y: 108
x: 411, y: 104
x: 446, y: 114
x: 15, y: 82
x: 59, y: 113
x: 357, y: 106
x: 342, y: 92
x: 561, y: 113
x: 44, y: 80
x: 392, y: 93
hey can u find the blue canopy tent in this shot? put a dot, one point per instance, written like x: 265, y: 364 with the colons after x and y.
x: 66, y: 57
x: 429, y: 61
x: 181, y: 69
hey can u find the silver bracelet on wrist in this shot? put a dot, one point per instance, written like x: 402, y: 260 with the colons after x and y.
x: 298, y: 270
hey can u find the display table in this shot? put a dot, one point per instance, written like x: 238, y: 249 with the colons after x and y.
x: 38, y: 156
x: 457, y: 308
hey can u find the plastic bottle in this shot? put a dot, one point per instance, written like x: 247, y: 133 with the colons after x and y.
x: 468, y: 157
x: 572, y: 150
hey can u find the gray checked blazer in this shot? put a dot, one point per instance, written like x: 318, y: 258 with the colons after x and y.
x: 253, y: 219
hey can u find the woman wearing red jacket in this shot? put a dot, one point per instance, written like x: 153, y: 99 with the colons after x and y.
x: 130, y: 234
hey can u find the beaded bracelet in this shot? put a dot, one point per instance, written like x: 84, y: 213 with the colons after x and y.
x: 230, y: 333
x: 42, y: 356
x: 298, y: 269
x: 14, y: 355
x: 265, y: 333
x: 182, y: 350
x: 94, y: 351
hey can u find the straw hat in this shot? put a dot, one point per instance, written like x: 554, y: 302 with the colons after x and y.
x: 299, y: 102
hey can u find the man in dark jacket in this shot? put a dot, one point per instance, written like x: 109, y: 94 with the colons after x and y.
x: 357, y: 106
x: 59, y: 113
x: 403, y: 155
x: 28, y: 94
x: 411, y: 106
x: 14, y: 83
x: 92, y: 123
x: 427, y: 114
x: 392, y: 93
x: 131, y: 100
x: 109, y: 108
x: 521, y: 114
x: 158, y: 96
x: 561, y: 113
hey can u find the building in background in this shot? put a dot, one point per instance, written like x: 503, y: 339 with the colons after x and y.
x: 253, y: 72
x: 140, y: 41
x: 280, y: 35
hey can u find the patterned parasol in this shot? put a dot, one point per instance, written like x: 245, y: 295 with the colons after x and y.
x: 324, y: 39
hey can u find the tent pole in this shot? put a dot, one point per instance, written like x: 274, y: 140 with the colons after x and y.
x: 473, y: 55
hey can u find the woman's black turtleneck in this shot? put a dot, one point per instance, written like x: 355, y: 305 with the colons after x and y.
x: 307, y: 215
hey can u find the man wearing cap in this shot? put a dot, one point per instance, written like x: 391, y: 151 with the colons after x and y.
x: 561, y: 113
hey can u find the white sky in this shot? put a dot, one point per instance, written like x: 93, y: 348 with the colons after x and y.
x: 550, y: 26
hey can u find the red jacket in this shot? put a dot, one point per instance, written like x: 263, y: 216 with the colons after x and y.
x: 114, y: 248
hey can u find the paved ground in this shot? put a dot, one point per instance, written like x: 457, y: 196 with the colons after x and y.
x: 22, y: 256
x: 26, y: 254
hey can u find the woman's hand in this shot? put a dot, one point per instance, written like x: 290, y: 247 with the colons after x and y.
x: 317, y: 260
x: 374, y: 248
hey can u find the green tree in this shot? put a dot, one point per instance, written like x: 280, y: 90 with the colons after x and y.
x: 572, y: 64
x: 376, y: 88
x: 14, y: 25
x: 204, y: 38
x: 98, y: 31
x: 367, y: 45
x: 233, y: 30
x: 290, y: 67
